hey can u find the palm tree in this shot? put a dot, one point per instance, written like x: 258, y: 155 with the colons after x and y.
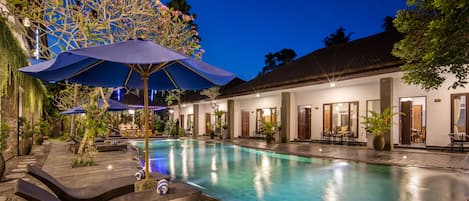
x: 338, y: 37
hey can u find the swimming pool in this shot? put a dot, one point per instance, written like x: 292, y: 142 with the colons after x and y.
x: 230, y: 172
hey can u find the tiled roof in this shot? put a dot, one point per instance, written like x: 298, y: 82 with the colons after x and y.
x: 363, y: 57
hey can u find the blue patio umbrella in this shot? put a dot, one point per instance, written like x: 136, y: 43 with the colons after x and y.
x: 134, y: 64
x: 114, y: 106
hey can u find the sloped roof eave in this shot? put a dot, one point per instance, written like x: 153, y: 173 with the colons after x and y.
x: 316, y: 80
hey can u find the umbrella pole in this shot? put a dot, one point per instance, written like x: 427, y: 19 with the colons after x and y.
x: 145, y: 126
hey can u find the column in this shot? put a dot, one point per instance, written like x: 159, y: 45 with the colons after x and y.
x: 231, y: 119
x: 195, y: 111
x: 285, y: 114
x: 385, y: 93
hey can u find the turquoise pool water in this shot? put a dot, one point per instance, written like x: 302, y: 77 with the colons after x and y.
x: 231, y: 172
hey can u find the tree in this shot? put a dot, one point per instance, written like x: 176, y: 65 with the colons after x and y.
x: 435, y: 44
x: 338, y: 37
x: 180, y: 5
x: 388, y: 24
x: 274, y: 60
x: 184, y: 7
x: 81, y: 23
x: 77, y: 24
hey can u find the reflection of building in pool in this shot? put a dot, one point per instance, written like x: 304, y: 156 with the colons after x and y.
x: 328, y: 91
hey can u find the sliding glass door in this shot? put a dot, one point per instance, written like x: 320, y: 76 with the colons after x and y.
x: 341, y: 117
x: 459, y: 113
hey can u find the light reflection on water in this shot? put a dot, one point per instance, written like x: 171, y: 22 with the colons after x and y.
x: 234, y: 173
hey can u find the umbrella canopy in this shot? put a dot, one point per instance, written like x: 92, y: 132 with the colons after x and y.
x: 114, y: 106
x: 124, y: 63
x: 133, y: 64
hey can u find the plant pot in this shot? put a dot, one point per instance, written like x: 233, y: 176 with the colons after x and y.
x: 378, y: 142
x: 25, y: 147
x: 2, y: 166
x: 268, y: 138
x: 38, y: 139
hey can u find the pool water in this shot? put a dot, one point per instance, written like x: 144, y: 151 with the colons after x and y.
x: 230, y: 172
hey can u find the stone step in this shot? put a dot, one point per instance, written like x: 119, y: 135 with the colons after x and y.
x: 28, y: 159
x: 14, y: 181
x: 27, y: 162
x: 15, y: 176
x: 19, y: 170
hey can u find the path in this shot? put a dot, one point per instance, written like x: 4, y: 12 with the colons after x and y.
x: 400, y: 157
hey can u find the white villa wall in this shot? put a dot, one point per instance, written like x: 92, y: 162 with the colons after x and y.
x: 251, y: 104
x: 341, y: 93
x: 203, y: 108
x: 438, y: 106
x: 438, y: 113
x: 186, y: 110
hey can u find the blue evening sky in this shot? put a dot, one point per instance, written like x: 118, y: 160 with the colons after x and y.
x: 236, y: 34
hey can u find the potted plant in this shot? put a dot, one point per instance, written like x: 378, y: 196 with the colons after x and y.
x: 378, y: 124
x: 26, y: 132
x: 269, y: 129
x: 225, y: 130
x: 4, y: 131
x: 42, y: 128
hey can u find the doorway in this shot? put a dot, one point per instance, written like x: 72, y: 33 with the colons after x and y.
x: 208, y: 123
x: 245, y: 123
x: 304, y: 122
x: 413, y: 121
x: 459, y: 120
x: 181, y: 122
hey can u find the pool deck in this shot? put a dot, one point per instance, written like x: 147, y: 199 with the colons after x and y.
x: 400, y: 156
x: 57, y: 162
x: 55, y: 158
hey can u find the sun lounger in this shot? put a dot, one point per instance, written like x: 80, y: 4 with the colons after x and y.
x: 31, y: 192
x: 105, y: 190
x: 111, y: 147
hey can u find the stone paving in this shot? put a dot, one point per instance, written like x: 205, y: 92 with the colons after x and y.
x: 108, y: 165
x: 16, y: 168
x: 400, y: 156
x: 117, y: 163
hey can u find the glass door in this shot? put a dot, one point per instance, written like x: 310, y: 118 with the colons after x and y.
x: 459, y: 113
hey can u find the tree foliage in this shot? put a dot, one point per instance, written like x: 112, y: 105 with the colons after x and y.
x: 388, y: 24
x: 435, y: 44
x: 338, y: 37
x: 74, y: 24
x: 274, y: 60
x: 95, y: 123
x: 180, y: 5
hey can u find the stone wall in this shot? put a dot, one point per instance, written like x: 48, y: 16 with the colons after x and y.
x: 9, y: 108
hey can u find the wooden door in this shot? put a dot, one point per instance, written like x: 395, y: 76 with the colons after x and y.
x: 304, y: 123
x: 406, y: 122
x: 308, y: 123
x: 417, y: 117
x: 208, y: 122
x: 181, y: 121
x: 245, y: 123
x: 301, y: 123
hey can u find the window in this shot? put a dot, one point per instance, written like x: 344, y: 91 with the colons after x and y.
x: 265, y: 115
x: 341, y: 117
